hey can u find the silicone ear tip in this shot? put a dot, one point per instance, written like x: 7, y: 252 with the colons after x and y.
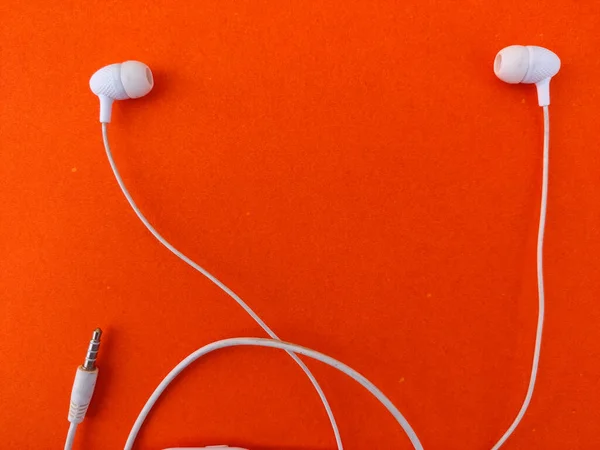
x: 137, y: 78
x: 511, y: 64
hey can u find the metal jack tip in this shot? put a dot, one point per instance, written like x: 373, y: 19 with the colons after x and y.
x: 92, y: 352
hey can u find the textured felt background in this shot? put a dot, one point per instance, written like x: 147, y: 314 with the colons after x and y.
x: 353, y: 169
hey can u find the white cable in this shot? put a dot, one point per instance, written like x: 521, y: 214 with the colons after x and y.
x: 257, y: 342
x: 70, y: 436
x: 540, y: 284
x: 218, y: 283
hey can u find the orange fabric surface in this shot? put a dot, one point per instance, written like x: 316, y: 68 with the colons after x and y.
x: 352, y: 169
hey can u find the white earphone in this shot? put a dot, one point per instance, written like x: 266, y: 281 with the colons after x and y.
x: 532, y: 65
x: 528, y: 64
x: 133, y: 79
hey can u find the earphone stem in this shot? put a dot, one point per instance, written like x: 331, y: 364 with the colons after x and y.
x: 543, y: 91
x: 105, y: 108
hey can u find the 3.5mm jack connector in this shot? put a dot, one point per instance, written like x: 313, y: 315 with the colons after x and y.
x: 85, y: 381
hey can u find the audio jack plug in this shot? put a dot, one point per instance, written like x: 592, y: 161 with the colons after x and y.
x: 85, y: 381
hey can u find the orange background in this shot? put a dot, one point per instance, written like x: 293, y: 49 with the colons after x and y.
x: 352, y: 169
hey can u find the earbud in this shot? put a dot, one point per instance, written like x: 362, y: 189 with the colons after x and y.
x: 528, y: 64
x: 131, y: 79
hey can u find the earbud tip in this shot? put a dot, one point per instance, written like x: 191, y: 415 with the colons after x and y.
x: 511, y: 64
x: 137, y: 78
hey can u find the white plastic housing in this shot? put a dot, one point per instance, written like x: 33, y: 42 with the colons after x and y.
x: 81, y: 394
x: 528, y: 64
x: 131, y: 79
